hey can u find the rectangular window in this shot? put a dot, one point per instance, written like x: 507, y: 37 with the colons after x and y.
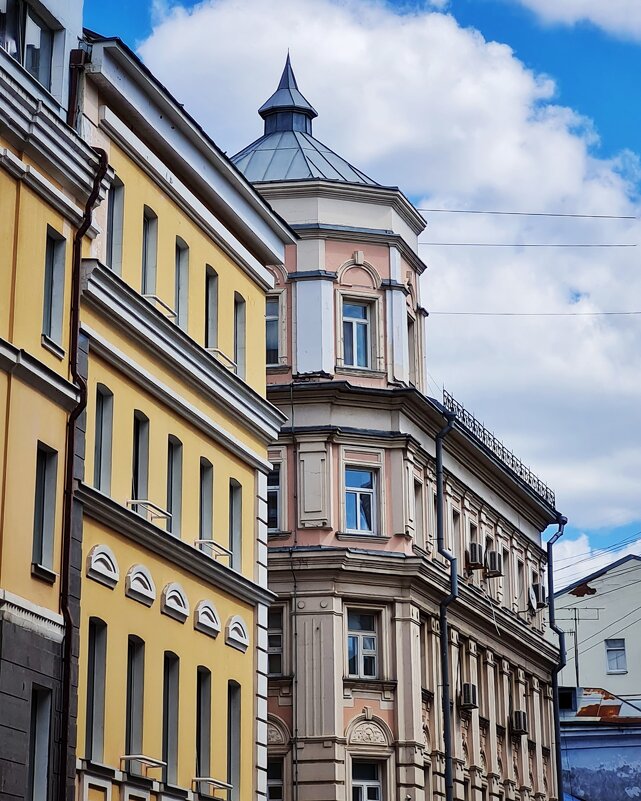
x: 54, y: 286
x: 134, y: 709
x: 419, y: 533
x: 39, y: 740
x: 233, y: 740
x: 235, y: 523
x: 273, y: 499
x: 360, y: 500
x: 275, y: 780
x: 275, y: 641
x: 211, y: 307
x: 96, y: 676
x: 411, y: 342
x: 520, y: 578
x: 356, y: 334
x: 239, y: 334
x: 206, y: 510
x: 38, y: 47
x: 44, y: 513
x: 615, y: 653
x: 170, y: 695
x: 366, y: 781
x: 140, y: 458
x: 362, y: 644
x: 507, y: 579
x: 272, y: 330
x: 115, y: 219
x: 181, y: 292
x: 103, y: 439
x: 149, y: 251
x: 174, y: 484
x: 456, y: 531
x: 203, y: 722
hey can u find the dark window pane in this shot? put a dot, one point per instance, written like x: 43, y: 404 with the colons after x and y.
x: 366, y: 513
x: 273, y: 477
x: 364, y: 771
x: 356, y: 311
x: 352, y: 656
x: 275, y: 664
x: 361, y: 346
x: 272, y: 510
x: 359, y: 479
x: 275, y: 618
x: 275, y: 769
x: 357, y: 794
x: 373, y: 794
x: 361, y: 621
x: 271, y: 335
x: 350, y: 509
x: 348, y: 344
x: 369, y: 666
x: 272, y: 307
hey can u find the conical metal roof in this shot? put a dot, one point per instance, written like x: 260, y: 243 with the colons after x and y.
x: 287, y: 151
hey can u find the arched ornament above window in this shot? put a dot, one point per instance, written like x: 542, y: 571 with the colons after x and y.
x: 139, y: 585
x: 206, y: 618
x: 369, y: 731
x: 174, y: 602
x: 102, y: 566
x: 359, y: 274
x: 236, y: 633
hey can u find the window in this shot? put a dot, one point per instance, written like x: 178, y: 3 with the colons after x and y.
x: 39, y: 738
x: 103, y: 437
x: 140, y: 458
x: 44, y: 512
x: 360, y: 500
x: 54, y: 286
x: 361, y: 645
x: 206, y: 514
x: 239, y: 334
x: 211, y: 307
x: 567, y: 699
x: 419, y: 533
x: 134, y: 710
x: 272, y: 329
x: 615, y: 654
x: 181, y: 292
x: 170, y: 695
x: 366, y: 781
x: 456, y: 531
x: 411, y: 343
x: 507, y: 579
x: 356, y: 334
x: 275, y: 641
x: 27, y: 39
x: 273, y: 499
x: 96, y: 674
x: 174, y: 484
x: 275, y: 780
x: 149, y: 248
x: 203, y: 721
x: 235, y: 523
x: 115, y: 217
x: 233, y: 740
x: 520, y: 578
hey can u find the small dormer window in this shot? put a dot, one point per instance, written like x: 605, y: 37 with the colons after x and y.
x: 27, y: 38
x: 356, y: 334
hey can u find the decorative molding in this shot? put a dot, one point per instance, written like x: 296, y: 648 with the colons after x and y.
x: 365, y: 731
x: 206, y: 618
x: 102, y: 566
x: 365, y: 266
x: 27, y: 615
x: 236, y: 633
x: 139, y: 585
x: 37, y: 375
x: 174, y: 602
x: 277, y: 731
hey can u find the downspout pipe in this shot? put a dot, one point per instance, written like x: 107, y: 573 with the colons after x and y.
x: 561, y: 522
x: 452, y: 596
x: 70, y: 453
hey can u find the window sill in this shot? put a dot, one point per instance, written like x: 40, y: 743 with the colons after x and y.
x: 173, y: 791
x: 98, y: 769
x: 52, y: 347
x: 356, y: 537
x: 364, y: 372
x: 278, y: 535
x: 351, y: 683
x: 616, y: 672
x: 43, y: 573
x: 278, y: 368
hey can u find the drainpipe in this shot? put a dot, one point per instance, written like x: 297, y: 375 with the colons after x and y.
x: 70, y: 450
x: 561, y: 522
x: 444, y: 632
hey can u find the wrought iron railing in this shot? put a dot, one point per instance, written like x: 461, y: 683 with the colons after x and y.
x: 487, y: 438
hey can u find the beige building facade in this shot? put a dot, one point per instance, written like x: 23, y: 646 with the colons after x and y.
x: 355, y: 678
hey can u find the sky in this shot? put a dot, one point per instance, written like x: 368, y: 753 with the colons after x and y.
x: 509, y: 105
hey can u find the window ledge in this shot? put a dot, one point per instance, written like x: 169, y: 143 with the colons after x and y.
x: 173, y: 791
x: 52, y: 347
x: 356, y: 537
x: 280, y: 680
x: 278, y: 535
x: 365, y: 372
x: 43, y: 573
x: 616, y: 672
x: 97, y: 768
x: 278, y: 368
x: 378, y: 685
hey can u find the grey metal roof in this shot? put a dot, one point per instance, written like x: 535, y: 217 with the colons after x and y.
x: 287, y: 151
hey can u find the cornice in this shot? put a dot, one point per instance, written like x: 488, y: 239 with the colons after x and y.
x: 113, y: 299
x: 21, y: 612
x: 28, y: 369
x: 31, y: 120
x: 135, y: 528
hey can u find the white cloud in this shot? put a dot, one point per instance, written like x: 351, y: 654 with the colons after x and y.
x: 413, y: 99
x: 619, y: 17
x: 575, y: 559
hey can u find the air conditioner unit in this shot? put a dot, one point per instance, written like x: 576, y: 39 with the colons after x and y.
x: 540, y: 595
x: 469, y: 697
x: 519, y: 722
x: 475, y: 557
x: 493, y: 564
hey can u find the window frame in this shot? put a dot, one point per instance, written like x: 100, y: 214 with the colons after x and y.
x: 373, y: 494
x: 115, y: 225
x: 373, y: 300
x: 44, y: 515
x: 103, y: 438
x: 356, y: 323
x: 277, y: 491
x: 236, y: 524
x: 211, y: 307
x: 54, y: 290
x: 170, y: 716
x: 278, y: 783
x: 274, y: 632
x: 174, y: 484
x: 359, y: 635
x: 23, y: 12
x: 39, y: 758
x: 149, y: 255
x: 240, y: 335
x: 364, y: 784
x: 234, y: 743
x: 181, y: 283
x: 140, y: 461
x: 96, y: 688
x: 616, y: 650
x: 135, y: 700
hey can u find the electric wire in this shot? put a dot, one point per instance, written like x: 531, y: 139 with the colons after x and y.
x: 531, y: 214
x: 612, y: 546
x: 599, y: 552
x: 614, y: 633
x: 528, y: 244
x: 536, y: 314
x: 600, y: 631
x: 599, y: 595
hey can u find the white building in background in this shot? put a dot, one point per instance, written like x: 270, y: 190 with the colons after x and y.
x: 354, y: 641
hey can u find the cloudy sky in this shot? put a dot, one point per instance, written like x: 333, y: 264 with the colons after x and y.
x: 504, y: 105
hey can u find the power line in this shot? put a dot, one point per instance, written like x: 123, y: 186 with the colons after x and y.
x: 531, y: 214
x: 594, y: 645
x: 527, y: 245
x: 536, y: 314
x: 600, y: 631
x: 612, y: 546
x: 599, y: 595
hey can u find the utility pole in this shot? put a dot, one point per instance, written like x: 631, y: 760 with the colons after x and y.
x: 576, y: 646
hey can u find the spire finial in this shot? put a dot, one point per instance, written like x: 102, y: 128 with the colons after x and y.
x: 287, y: 109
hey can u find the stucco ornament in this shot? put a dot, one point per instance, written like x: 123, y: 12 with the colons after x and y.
x: 274, y: 735
x: 368, y: 733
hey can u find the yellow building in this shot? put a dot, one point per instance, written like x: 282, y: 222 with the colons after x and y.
x: 134, y: 433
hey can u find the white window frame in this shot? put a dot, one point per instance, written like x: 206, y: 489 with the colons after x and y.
x: 277, y: 783
x: 149, y: 256
x: 174, y: 484
x: 103, y: 437
x: 273, y: 636
x: 355, y: 323
x: 181, y: 283
x: 44, y: 518
x: 115, y: 224
x: 271, y: 318
x: 615, y: 650
x: 277, y: 467
x: 373, y: 493
x: 359, y: 636
x: 236, y: 524
x: 240, y: 334
x: 53, y: 288
x: 206, y: 500
x: 376, y: 344
x: 211, y: 307
x: 365, y: 784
